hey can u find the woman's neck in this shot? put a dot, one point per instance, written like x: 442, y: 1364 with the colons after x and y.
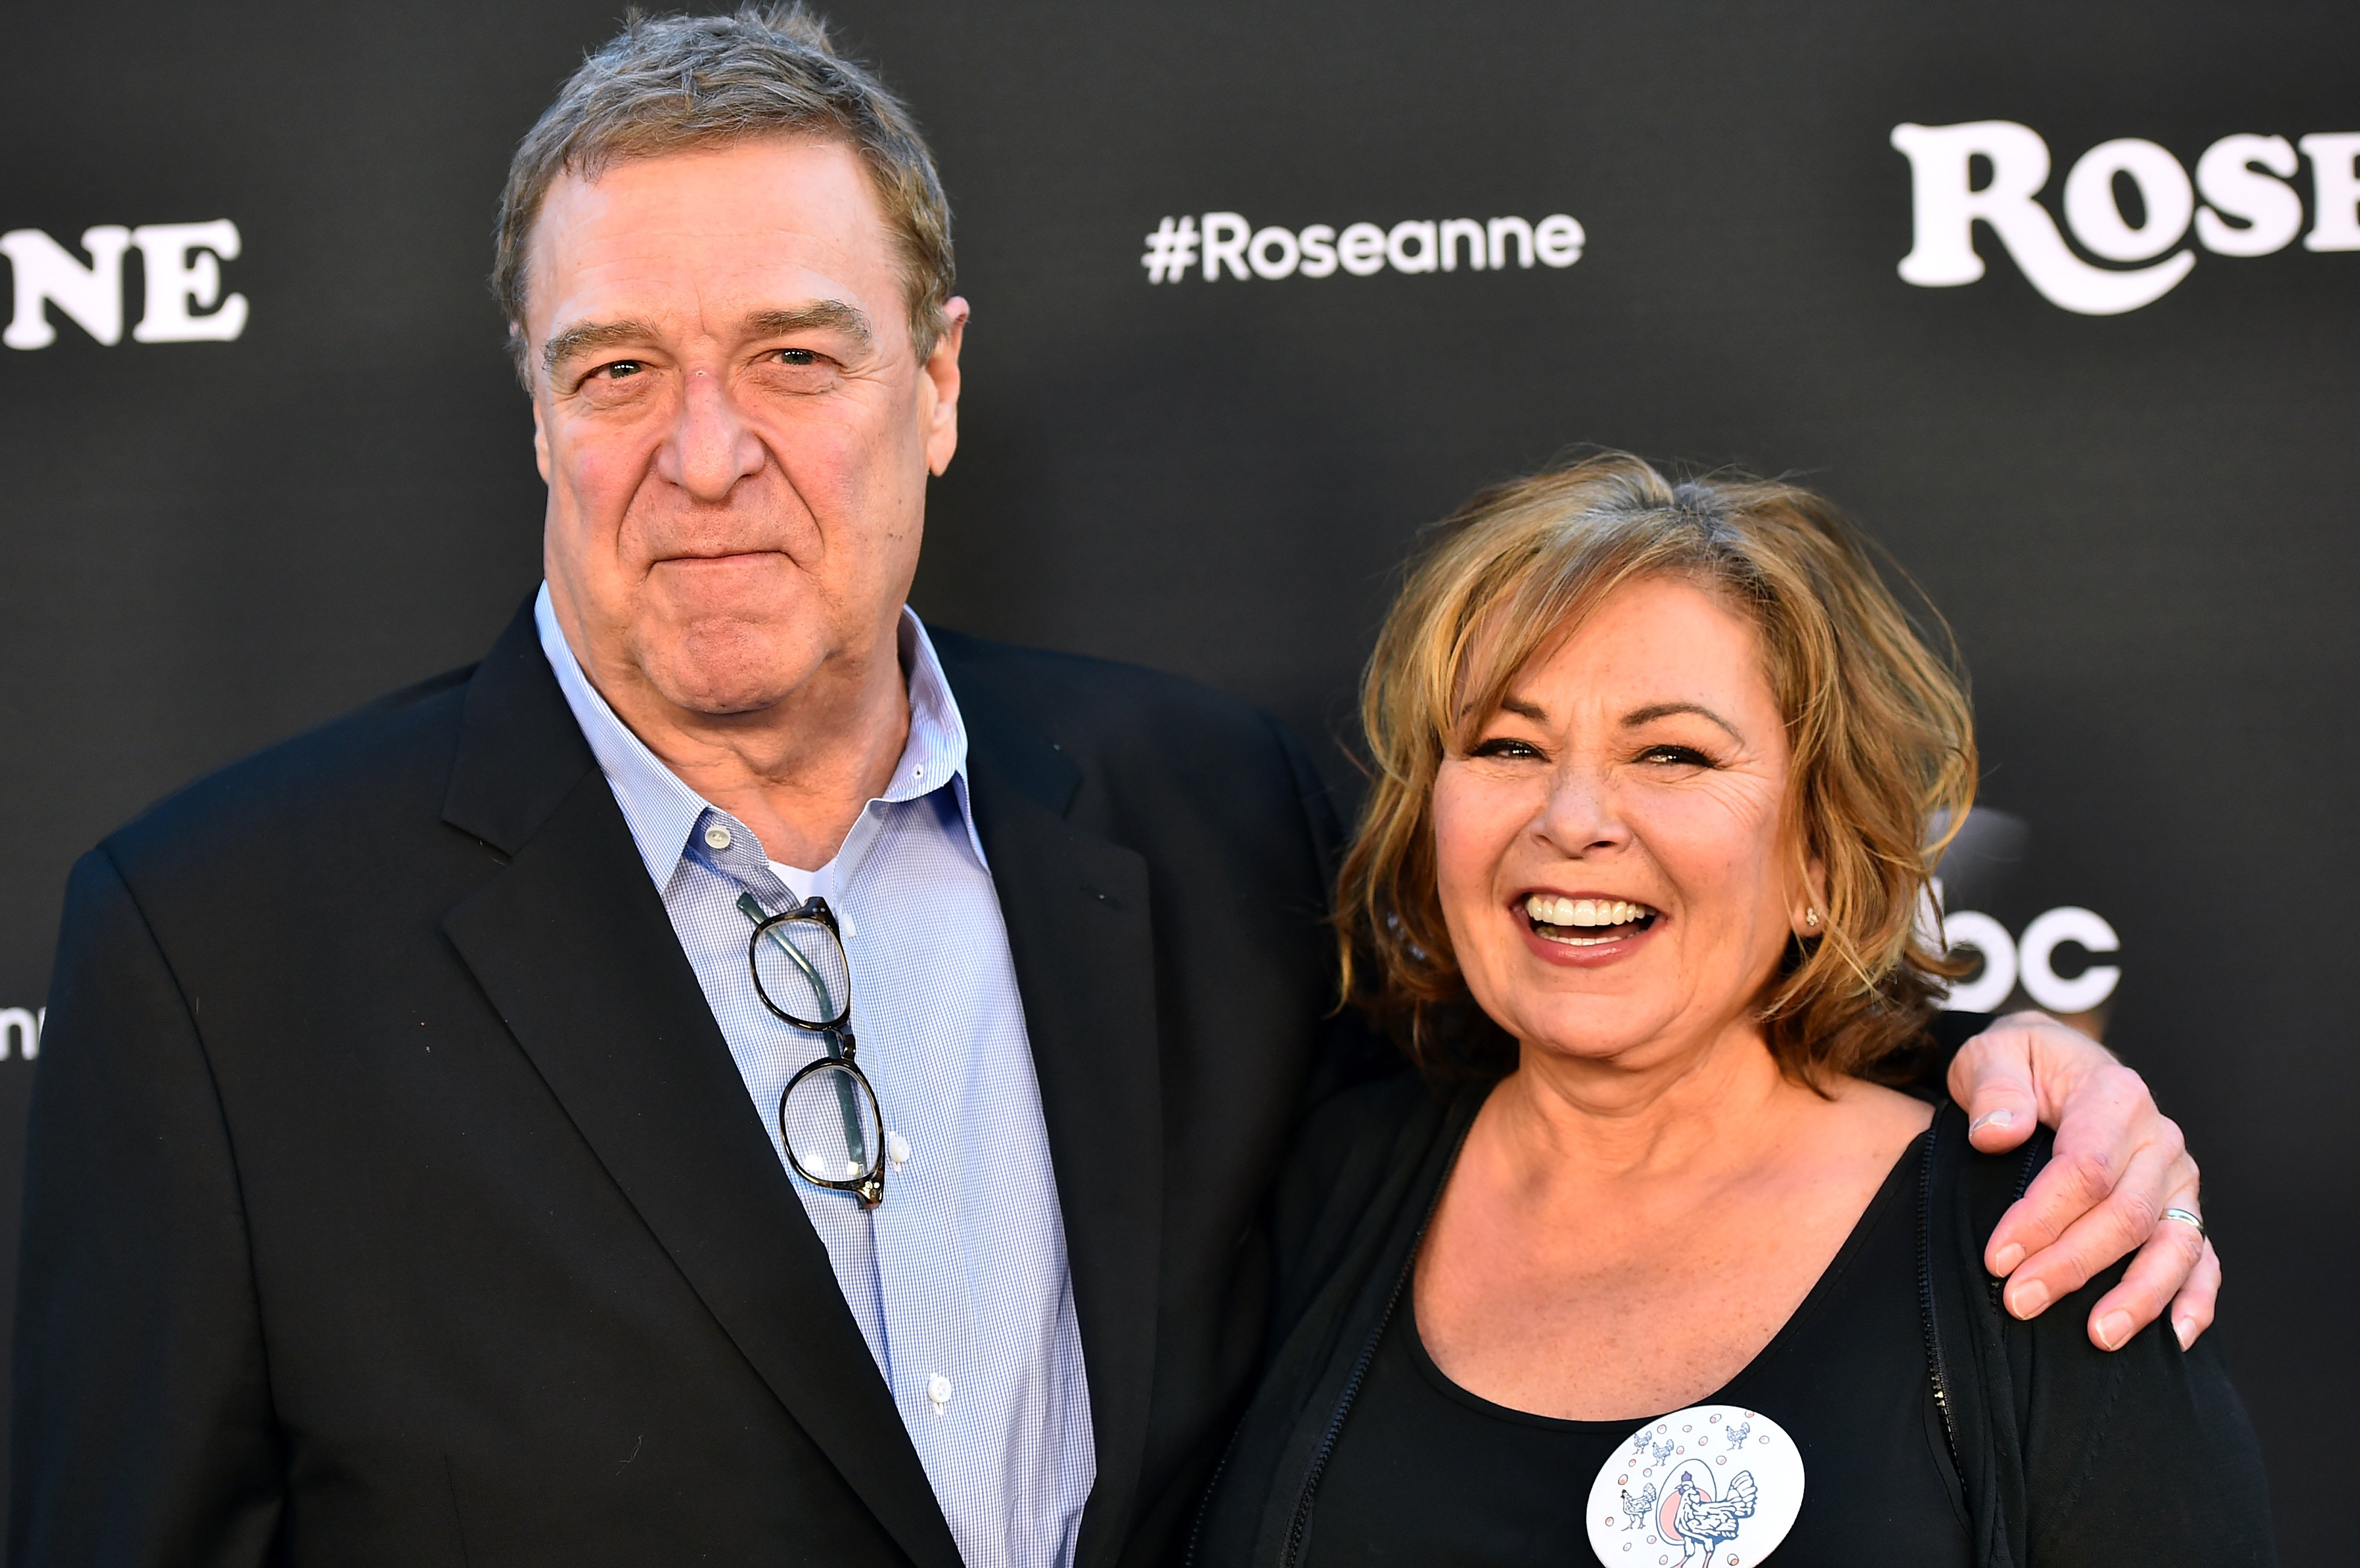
x: 1707, y: 1107
x: 1624, y: 1238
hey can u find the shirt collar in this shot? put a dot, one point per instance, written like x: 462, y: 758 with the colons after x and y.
x: 662, y: 811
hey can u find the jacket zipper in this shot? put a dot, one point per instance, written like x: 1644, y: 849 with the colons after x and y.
x: 1295, y: 1532
x: 1936, y: 1371
x: 1311, y: 1477
x: 1205, y: 1499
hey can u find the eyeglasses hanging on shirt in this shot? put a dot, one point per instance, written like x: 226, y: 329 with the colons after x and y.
x: 829, y: 1116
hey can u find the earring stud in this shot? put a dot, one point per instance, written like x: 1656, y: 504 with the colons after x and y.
x: 1811, y: 917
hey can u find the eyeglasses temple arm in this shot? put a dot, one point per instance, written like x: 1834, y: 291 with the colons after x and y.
x: 752, y: 911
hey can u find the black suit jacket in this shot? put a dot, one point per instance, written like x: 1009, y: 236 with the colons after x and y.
x: 393, y: 1197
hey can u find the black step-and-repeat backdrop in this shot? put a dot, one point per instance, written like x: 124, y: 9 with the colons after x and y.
x: 2060, y: 298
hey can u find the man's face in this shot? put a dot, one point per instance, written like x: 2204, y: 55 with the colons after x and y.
x: 735, y: 426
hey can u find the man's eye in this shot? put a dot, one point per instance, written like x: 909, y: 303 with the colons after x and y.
x: 619, y: 369
x: 797, y: 356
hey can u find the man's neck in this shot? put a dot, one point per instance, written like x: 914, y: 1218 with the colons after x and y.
x: 799, y: 772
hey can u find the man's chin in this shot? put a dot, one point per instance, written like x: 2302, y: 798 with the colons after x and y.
x: 726, y: 699
x: 722, y: 668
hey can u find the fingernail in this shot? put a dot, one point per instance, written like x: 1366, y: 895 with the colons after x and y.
x: 2113, y: 1329
x: 2026, y: 1300
x: 2186, y: 1329
x: 2001, y: 1119
x: 2009, y: 1256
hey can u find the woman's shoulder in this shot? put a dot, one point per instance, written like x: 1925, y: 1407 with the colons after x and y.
x: 2138, y: 1455
x: 1346, y: 1145
x: 1963, y: 1194
x: 1366, y: 1121
x: 1352, y: 1168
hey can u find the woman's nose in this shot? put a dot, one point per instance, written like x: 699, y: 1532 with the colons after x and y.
x: 712, y: 446
x: 1581, y: 815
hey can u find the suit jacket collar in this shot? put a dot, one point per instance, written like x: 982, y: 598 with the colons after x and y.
x: 1077, y: 910
x: 520, y: 752
x: 572, y: 945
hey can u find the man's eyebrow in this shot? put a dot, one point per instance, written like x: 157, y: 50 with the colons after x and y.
x: 820, y: 315
x: 1654, y: 710
x: 589, y: 337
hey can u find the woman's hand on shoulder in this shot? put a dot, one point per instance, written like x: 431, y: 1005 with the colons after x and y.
x: 2119, y: 1164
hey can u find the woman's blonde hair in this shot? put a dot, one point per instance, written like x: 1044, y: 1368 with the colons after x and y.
x: 1882, y: 739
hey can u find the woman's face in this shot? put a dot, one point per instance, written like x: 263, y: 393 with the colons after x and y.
x: 1612, y: 856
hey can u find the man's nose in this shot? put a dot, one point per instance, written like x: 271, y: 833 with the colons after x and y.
x: 712, y: 447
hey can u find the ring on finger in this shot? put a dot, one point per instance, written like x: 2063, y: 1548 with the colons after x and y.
x: 2187, y: 1217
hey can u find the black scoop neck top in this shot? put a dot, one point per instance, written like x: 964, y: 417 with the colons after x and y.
x: 1354, y: 1450
x: 1426, y: 1472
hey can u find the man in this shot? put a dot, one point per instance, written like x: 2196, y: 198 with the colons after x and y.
x: 416, y: 1174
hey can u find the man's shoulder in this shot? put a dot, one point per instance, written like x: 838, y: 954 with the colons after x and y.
x: 390, y: 758
x: 1110, y: 717
x: 1069, y: 689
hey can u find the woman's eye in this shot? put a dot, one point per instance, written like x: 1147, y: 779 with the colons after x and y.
x: 1677, y: 756
x: 1505, y: 746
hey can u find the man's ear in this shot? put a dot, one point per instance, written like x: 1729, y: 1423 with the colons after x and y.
x: 939, y: 388
x: 521, y: 353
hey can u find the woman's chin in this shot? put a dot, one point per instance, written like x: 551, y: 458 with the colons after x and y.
x: 1609, y: 1036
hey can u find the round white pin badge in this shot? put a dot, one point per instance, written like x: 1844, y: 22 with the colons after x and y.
x: 1711, y: 1484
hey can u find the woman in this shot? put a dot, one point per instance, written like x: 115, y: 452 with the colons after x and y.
x: 1666, y: 1277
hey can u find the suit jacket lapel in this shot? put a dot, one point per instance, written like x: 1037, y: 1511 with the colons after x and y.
x: 572, y: 945
x: 1079, y: 925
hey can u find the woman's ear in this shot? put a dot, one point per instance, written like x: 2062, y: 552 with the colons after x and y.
x: 1807, y: 910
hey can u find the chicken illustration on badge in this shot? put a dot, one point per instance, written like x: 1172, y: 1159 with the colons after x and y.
x: 1692, y: 1516
x: 1729, y: 1501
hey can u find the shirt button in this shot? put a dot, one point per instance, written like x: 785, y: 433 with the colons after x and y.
x: 938, y: 1388
x: 897, y: 1148
x: 717, y: 836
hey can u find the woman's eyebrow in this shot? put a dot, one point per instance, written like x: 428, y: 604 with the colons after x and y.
x: 1654, y: 710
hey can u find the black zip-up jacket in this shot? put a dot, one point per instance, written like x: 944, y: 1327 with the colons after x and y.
x: 2064, y: 1454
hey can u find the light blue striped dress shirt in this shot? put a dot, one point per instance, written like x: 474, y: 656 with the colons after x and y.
x: 959, y: 1280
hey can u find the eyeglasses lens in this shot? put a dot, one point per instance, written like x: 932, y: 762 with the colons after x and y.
x: 801, y: 967
x: 830, y: 1124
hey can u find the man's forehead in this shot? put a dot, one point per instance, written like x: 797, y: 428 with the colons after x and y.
x: 728, y: 178
x: 752, y: 226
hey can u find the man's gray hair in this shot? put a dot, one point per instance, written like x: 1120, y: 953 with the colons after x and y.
x: 668, y: 84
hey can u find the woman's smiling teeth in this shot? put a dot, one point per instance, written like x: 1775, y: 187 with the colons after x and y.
x: 1585, y: 923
